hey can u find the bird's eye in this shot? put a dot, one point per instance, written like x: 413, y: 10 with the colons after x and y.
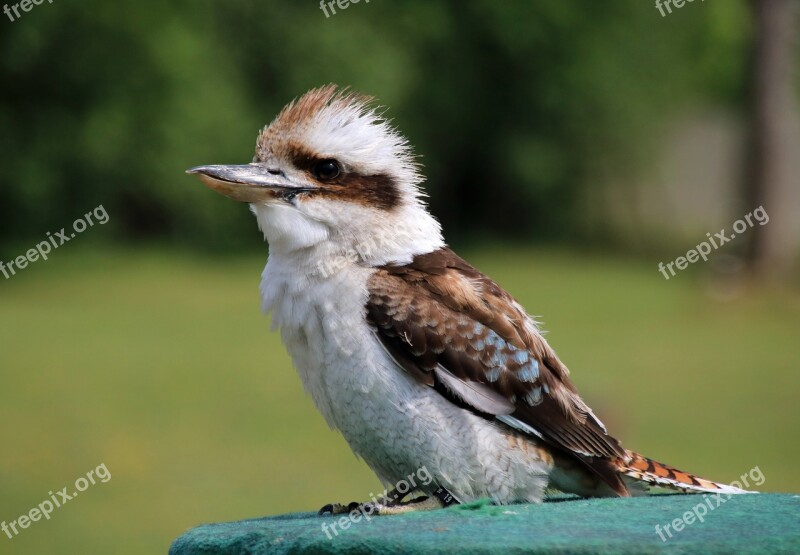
x: 325, y: 170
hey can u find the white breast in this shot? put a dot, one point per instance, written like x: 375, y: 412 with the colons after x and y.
x: 396, y: 424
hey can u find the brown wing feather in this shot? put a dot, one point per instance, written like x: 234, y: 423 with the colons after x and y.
x: 440, y: 312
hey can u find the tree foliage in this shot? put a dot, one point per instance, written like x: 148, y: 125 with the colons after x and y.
x: 515, y: 107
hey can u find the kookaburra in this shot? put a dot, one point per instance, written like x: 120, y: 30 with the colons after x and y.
x: 415, y: 356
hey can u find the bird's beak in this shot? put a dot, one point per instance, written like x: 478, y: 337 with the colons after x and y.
x: 246, y: 183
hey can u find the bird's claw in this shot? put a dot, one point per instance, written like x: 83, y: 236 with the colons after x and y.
x: 338, y: 508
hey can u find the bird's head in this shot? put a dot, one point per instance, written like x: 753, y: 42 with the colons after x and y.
x: 330, y: 171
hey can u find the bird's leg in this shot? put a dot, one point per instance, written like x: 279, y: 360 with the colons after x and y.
x: 390, y: 504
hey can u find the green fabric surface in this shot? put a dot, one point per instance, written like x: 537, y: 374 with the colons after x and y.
x: 762, y: 523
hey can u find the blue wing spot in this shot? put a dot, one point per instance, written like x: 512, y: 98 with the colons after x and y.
x: 498, y: 357
x: 521, y: 357
x: 530, y: 372
x: 494, y: 339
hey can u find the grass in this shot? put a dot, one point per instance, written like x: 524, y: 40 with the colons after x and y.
x: 161, y: 366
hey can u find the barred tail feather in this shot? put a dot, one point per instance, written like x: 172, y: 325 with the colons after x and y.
x: 659, y: 474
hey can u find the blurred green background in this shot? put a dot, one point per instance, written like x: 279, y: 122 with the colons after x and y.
x: 569, y: 147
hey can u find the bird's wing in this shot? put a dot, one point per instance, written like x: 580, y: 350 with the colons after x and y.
x: 454, y: 329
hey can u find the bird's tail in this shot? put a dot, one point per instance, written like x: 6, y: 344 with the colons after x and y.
x: 659, y: 474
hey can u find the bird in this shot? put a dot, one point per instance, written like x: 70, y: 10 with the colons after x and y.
x: 417, y: 358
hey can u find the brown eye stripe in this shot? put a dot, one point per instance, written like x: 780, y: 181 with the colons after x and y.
x: 380, y: 191
x: 301, y: 157
x: 376, y: 190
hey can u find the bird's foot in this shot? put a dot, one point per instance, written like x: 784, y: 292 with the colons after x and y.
x: 423, y: 503
x: 391, y: 504
x: 389, y: 499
